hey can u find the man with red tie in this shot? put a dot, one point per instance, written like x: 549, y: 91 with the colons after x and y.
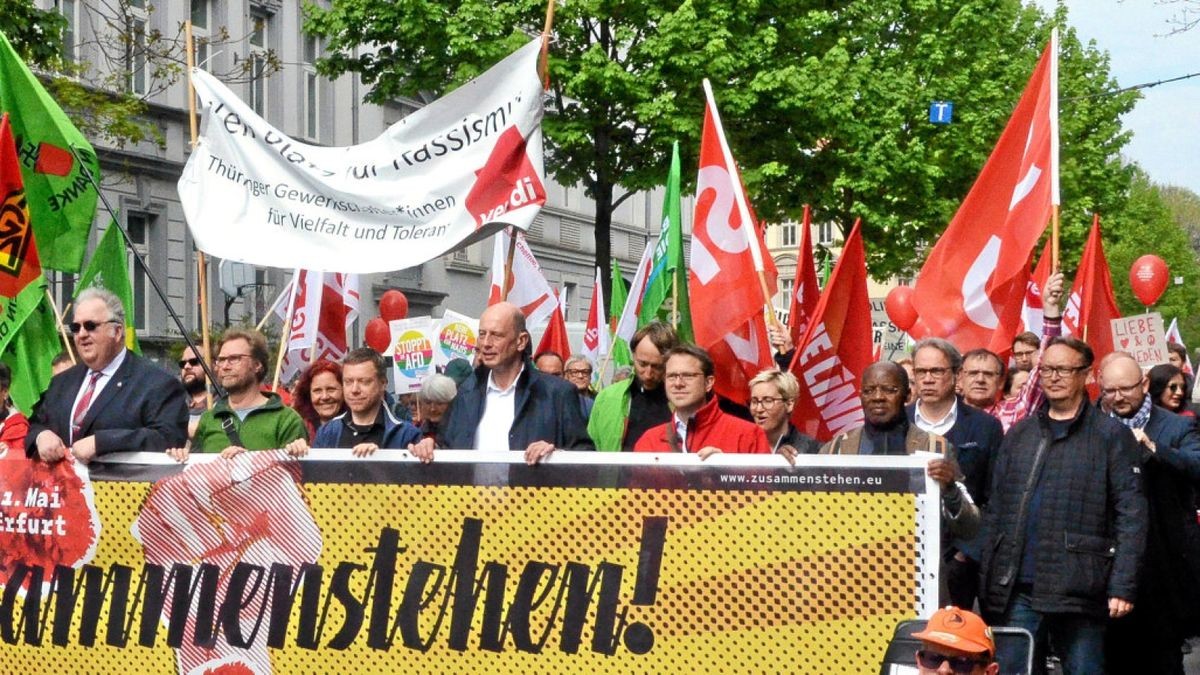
x: 113, y: 400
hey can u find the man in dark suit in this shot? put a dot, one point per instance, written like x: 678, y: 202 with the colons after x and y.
x: 974, y: 434
x: 1149, y: 639
x: 112, y: 401
x: 507, y: 404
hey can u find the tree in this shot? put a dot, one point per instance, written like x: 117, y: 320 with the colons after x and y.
x: 824, y: 102
x: 1184, y: 206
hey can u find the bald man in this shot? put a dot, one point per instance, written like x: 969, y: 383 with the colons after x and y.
x: 1149, y: 638
x: 507, y: 404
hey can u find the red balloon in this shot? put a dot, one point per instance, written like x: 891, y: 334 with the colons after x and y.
x: 899, y: 307
x: 379, y: 335
x: 393, y: 305
x: 1148, y: 277
x: 918, y: 330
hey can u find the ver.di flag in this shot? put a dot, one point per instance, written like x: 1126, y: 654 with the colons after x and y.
x: 108, y: 270
x: 451, y: 174
x: 527, y: 286
x: 61, y: 199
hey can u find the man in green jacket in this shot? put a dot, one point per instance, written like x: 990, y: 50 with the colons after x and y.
x: 627, y: 409
x: 249, y: 418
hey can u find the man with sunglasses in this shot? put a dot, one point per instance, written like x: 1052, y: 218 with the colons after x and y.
x: 956, y: 641
x: 1065, y: 527
x: 195, y: 383
x: 113, y: 400
x: 1150, y: 638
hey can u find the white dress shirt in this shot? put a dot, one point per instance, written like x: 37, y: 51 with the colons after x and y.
x: 499, y: 411
x: 106, y: 375
x: 940, y: 427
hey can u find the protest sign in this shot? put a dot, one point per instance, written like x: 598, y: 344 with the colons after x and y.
x: 477, y: 562
x: 450, y: 174
x: 1142, y: 336
x: 456, y: 338
x: 412, y: 352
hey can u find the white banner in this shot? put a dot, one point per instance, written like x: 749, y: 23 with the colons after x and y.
x: 446, y: 176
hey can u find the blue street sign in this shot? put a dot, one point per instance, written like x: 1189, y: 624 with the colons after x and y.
x: 941, y: 112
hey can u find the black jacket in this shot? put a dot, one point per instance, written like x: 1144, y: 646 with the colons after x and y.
x: 546, y: 409
x: 142, y: 409
x: 1092, y: 528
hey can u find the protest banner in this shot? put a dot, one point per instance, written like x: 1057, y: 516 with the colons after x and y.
x: 457, y: 335
x: 448, y: 175
x: 1142, y: 336
x: 412, y: 352
x: 590, y: 562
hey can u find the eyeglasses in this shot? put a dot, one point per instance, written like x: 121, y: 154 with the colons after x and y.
x: 183, y: 363
x: 959, y: 664
x: 989, y: 374
x: 578, y: 372
x: 230, y: 359
x: 936, y: 372
x: 76, y: 327
x: 1054, y: 372
x: 766, y: 401
x: 1125, y: 392
x: 885, y: 389
x: 683, y: 377
x: 1176, y: 387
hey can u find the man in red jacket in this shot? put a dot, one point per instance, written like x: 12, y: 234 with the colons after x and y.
x: 697, y: 424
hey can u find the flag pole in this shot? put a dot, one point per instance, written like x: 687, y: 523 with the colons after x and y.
x: 201, y: 263
x: 508, y: 265
x: 62, y: 329
x: 1054, y: 235
x: 141, y: 262
x: 286, y: 333
x: 544, y: 59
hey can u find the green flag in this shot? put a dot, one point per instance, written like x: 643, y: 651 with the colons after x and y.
x: 32, y: 350
x: 666, y: 296
x: 107, y: 269
x: 621, y: 355
x: 62, y: 201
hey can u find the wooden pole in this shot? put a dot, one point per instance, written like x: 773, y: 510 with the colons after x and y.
x: 201, y: 263
x: 508, y: 265
x: 544, y: 60
x: 286, y: 332
x: 62, y: 329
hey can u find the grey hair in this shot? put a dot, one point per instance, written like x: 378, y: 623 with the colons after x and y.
x: 116, y: 311
x: 944, y: 346
x: 437, y: 389
x: 579, y: 358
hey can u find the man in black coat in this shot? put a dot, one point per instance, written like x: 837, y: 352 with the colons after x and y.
x: 1150, y: 638
x: 507, y: 404
x: 975, y: 436
x: 113, y: 400
x: 1065, y: 527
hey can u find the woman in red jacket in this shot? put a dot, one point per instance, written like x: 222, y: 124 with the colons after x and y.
x: 13, y: 425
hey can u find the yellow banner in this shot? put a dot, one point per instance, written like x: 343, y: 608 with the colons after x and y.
x: 335, y: 564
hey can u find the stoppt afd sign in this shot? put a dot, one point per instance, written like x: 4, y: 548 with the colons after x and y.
x: 264, y: 564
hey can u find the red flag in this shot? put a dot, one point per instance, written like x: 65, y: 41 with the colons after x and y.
x: 806, y: 291
x: 971, y: 286
x: 325, y: 306
x: 555, y: 337
x: 596, y: 332
x: 727, y: 252
x: 836, y: 349
x: 19, y: 262
x: 1092, y: 304
x: 1031, y: 311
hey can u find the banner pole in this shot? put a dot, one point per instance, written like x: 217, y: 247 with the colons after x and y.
x: 201, y: 263
x: 286, y: 333
x: 62, y: 329
x: 508, y: 265
x: 544, y: 59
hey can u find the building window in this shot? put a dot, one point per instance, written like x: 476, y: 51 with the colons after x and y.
x: 825, y: 233
x: 259, y: 41
x: 783, y: 301
x: 136, y: 20
x: 70, y: 36
x: 312, y: 92
x: 140, y: 226
x: 62, y: 287
x: 201, y: 21
x: 788, y: 234
x: 567, y: 297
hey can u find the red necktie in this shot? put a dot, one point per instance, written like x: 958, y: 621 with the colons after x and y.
x: 85, y: 402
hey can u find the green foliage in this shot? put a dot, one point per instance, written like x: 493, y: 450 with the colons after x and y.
x: 36, y: 34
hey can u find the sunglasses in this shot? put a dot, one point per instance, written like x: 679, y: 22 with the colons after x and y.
x: 188, y: 362
x: 77, y: 327
x: 959, y: 664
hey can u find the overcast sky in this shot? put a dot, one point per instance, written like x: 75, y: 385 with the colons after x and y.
x: 1166, y: 121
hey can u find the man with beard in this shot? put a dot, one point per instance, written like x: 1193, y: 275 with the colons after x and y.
x: 195, y: 383
x: 627, y: 409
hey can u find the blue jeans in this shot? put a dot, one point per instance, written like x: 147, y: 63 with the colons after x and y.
x: 1078, y: 639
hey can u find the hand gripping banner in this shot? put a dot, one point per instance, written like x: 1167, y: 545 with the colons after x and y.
x: 474, y: 563
x: 446, y: 176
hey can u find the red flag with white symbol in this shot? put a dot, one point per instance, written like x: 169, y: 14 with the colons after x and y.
x: 806, y: 292
x: 527, y: 286
x: 595, y: 334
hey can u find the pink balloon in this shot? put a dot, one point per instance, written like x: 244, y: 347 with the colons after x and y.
x: 900, y: 310
x: 1148, y: 277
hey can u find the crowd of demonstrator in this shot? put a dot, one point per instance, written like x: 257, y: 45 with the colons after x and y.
x: 1068, y: 513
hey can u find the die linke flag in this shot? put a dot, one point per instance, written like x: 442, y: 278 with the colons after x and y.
x: 972, y: 286
x: 806, y: 293
x: 727, y: 256
x: 836, y: 349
